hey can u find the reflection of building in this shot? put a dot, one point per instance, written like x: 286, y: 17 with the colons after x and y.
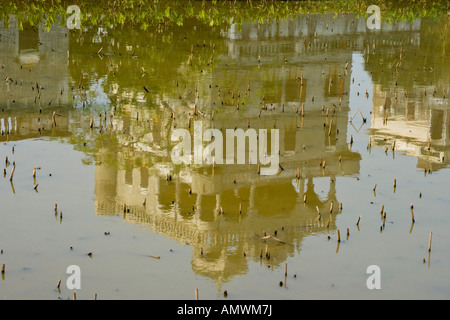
x: 200, y: 206
x: 419, y: 126
x: 302, y: 62
x: 35, y: 70
x: 409, y: 105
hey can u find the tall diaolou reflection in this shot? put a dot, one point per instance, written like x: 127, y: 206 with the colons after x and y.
x: 118, y: 95
x: 410, y: 96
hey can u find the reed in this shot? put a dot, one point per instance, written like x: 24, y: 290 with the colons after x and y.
x: 12, y: 173
x: 429, y: 242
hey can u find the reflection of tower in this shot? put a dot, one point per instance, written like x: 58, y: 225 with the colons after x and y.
x: 36, y: 63
x: 34, y: 55
x: 420, y: 129
x: 409, y: 108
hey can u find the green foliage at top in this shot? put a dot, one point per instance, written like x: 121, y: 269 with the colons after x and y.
x: 144, y: 14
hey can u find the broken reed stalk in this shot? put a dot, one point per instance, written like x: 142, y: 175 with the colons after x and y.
x: 12, y: 173
x: 196, y: 294
x: 59, y: 283
x: 3, y: 268
x: 359, y: 218
x: 412, y: 214
x: 338, y: 235
x: 429, y: 242
x: 375, y: 187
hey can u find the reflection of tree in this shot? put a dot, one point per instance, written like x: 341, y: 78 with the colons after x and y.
x: 410, y: 58
x: 163, y: 14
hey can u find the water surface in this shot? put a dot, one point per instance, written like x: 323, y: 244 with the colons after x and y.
x: 93, y: 112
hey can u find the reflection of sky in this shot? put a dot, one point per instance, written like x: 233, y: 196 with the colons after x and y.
x: 362, y: 81
x: 96, y: 95
x: 321, y: 186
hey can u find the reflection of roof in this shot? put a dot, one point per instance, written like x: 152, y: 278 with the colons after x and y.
x: 313, y: 25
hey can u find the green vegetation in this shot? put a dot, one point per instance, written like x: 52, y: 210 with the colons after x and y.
x: 162, y: 13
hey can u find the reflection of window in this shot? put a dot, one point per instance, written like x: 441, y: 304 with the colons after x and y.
x: 129, y: 177
x: 410, y: 111
x: 144, y: 178
x: 28, y: 38
x: 289, y: 139
x: 437, y: 124
x: 448, y: 126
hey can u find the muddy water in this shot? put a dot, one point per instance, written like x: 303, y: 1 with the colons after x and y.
x: 363, y: 135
